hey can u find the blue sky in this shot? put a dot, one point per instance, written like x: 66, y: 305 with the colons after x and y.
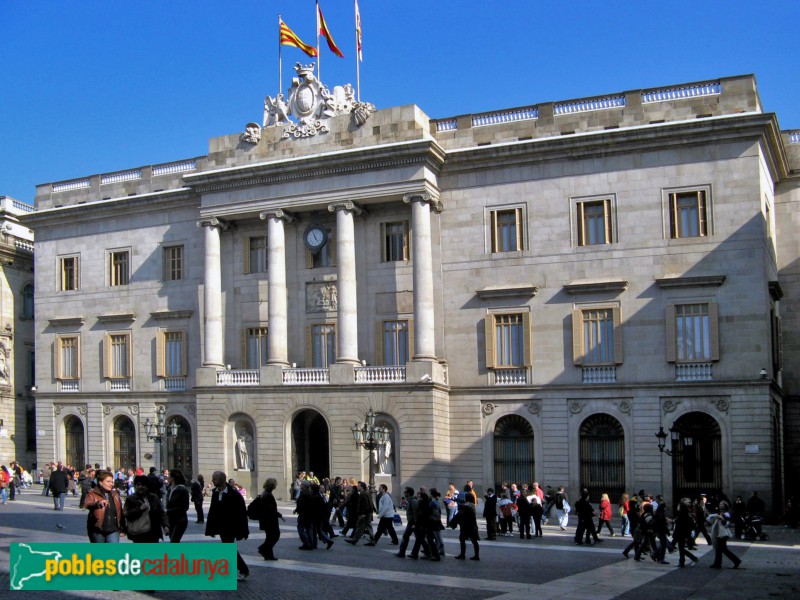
x: 91, y: 86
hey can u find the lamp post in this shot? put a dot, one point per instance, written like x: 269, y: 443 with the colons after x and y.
x: 676, y: 436
x: 370, y: 437
x: 159, y: 431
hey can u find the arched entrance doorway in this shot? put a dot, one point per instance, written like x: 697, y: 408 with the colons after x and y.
x: 602, y: 457
x: 513, y: 451
x: 310, y: 444
x: 179, y: 448
x: 124, y: 443
x: 697, y: 456
x: 74, y: 453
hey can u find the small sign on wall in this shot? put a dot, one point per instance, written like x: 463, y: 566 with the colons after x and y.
x: 751, y: 449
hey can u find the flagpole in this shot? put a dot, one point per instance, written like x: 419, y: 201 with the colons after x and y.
x: 358, y: 55
x: 316, y: 17
x: 280, y: 57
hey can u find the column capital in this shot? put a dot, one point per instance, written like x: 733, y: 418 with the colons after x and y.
x: 423, y: 197
x: 214, y: 222
x: 348, y: 205
x: 276, y: 213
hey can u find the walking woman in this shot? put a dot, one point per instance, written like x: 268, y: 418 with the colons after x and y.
x: 720, y: 533
x: 268, y: 520
x: 177, y: 506
x: 605, y: 515
x: 146, y: 520
x: 106, y: 521
x: 622, y: 509
x: 684, y: 524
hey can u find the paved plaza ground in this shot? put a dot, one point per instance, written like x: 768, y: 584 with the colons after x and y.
x: 509, y: 569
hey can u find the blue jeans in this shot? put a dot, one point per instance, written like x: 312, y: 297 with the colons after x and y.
x: 98, y: 537
x: 626, y: 525
x: 58, y: 501
x: 4, y: 495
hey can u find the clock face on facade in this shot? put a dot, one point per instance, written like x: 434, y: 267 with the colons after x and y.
x: 315, y: 237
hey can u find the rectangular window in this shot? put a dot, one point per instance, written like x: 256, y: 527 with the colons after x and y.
x: 68, y: 272
x: 508, y: 340
x: 506, y: 230
x: 692, y: 333
x: 255, y: 340
x: 173, y: 263
x: 323, y: 345
x: 68, y: 349
x: 255, y: 254
x: 117, y: 355
x: 171, y: 354
x: 395, y: 342
x: 119, y: 267
x: 688, y: 214
x: 395, y: 241
x: 596, y: 336
x: 594, y: 222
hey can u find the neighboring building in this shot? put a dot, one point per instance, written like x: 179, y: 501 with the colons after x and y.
x: 17, y: 416
x: 527, y: 294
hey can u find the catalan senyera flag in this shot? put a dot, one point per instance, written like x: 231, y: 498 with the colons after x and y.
x: 323, y: 29
x: 290, y: 38
x: 358, y: 32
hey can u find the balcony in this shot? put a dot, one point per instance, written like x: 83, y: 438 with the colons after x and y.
x: 295, y: 376
x: 69, y: 385
x: 174, y: 384
x: 599, y: 374
x: 391, y: 374
x: 511, y: 377
x: 693, y: 372
x: 239, y: 377
x: 119, y: 385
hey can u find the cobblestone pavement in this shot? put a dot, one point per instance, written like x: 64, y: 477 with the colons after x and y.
x: 509, y: 569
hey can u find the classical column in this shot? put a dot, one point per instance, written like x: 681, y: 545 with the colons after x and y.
x: 424, y: 327
x: 347, y: 310
x: 213, y: 347
x: 278, y: 332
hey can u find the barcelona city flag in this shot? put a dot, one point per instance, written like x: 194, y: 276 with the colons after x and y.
x: 290, y: 38
x: 323, y: 29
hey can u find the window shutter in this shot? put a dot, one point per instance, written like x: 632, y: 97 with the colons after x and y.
x: 380, y: 359
x: 673, y: 216
x: 494, y: 230
x: 77, y: 282
x: 244, y: 358
x: 607, y: 220
x: 488, y: 332
x: 669, y: 318
x: 702, y: 216
x: 184, y: 357
x: 518, y: 223
x: 527, y: 354
x: 410, y: 339
x: 309, y: 347
x: 779, y: 323
x: 406, y: 252
x: 384, y: 244
x: 106, y: 356
x: 581, y: 233
x: 129, y: 355
x: 161, y: 344
x: 246, y: 254
x: 57, y: 358
x: 78, y: 356
x: 577, y: 337
x: 713, y: 330
x: 618, y: 350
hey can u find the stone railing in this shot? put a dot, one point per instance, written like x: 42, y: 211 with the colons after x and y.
x: 679, y: 93
x: 306, y: 376
x: 119, y: 385
x: 181, y: 166
x: 506, y: 116
x: 239, y: 377
x: 693, y: 372
x: 446, y: 125
x: 73, y: 184
x: 120, y: 176
x: 10, y: 204
x: 69, y: 385
x: 174, y: 384
x: 794, y: 137
x: 24, y: 245
x: 392, y: 374
x: 568, y: 108
x: 599, y: 374
x: 511, y: 376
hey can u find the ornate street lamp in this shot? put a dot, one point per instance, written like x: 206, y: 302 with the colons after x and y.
x: 371, y: 438
x: 676, y: 436
x: 159, y: 431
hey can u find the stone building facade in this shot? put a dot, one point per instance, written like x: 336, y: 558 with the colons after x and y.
x: 17, y: 416
x: 527, y: 294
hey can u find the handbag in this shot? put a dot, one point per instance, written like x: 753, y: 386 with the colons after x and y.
x: 621, y: 511
x: 567, y: 507
x: 397, y: 520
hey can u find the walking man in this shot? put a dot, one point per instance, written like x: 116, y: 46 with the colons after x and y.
x: 59, y: 484
x: 365, y: 509
x: 490, y: 514
x: 227, y: 517
x: 385, y: 516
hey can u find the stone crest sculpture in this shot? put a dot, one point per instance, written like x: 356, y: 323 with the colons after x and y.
x: 311, y: 103
x: 252, y: 133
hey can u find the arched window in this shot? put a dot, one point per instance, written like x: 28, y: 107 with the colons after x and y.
x: 27, y: 301
x: 124, y: 444
x: 179, y: 448
x: 602, y: 457
x: 74, y: 442
x: 697, y: 457
x: 513, y: 451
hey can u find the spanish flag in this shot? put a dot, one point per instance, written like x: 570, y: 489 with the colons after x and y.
x: 323, y: 29
x: 358, y: 31
x: 289, y: 38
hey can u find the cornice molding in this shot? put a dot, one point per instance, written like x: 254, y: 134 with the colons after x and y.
x: 595, y: 286
x: 117, y: 318
x: 680, y: 281
x: 167, y: 315
x: 66, y: 321
x: 508, y: 291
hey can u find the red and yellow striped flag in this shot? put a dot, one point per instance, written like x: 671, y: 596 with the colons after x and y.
x: 289, y: 38
x: 358, y: 31
x: 323, y: 29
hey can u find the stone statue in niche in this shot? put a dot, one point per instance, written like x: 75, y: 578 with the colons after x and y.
x: 383, y: 457
x: 243, y: 448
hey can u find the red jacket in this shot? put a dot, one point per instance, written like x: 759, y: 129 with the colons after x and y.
x: 605, y: 510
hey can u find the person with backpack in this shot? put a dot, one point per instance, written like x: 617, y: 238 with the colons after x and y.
x: 106, y: 520
x: 177, y: 506
x: 146, y: 520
